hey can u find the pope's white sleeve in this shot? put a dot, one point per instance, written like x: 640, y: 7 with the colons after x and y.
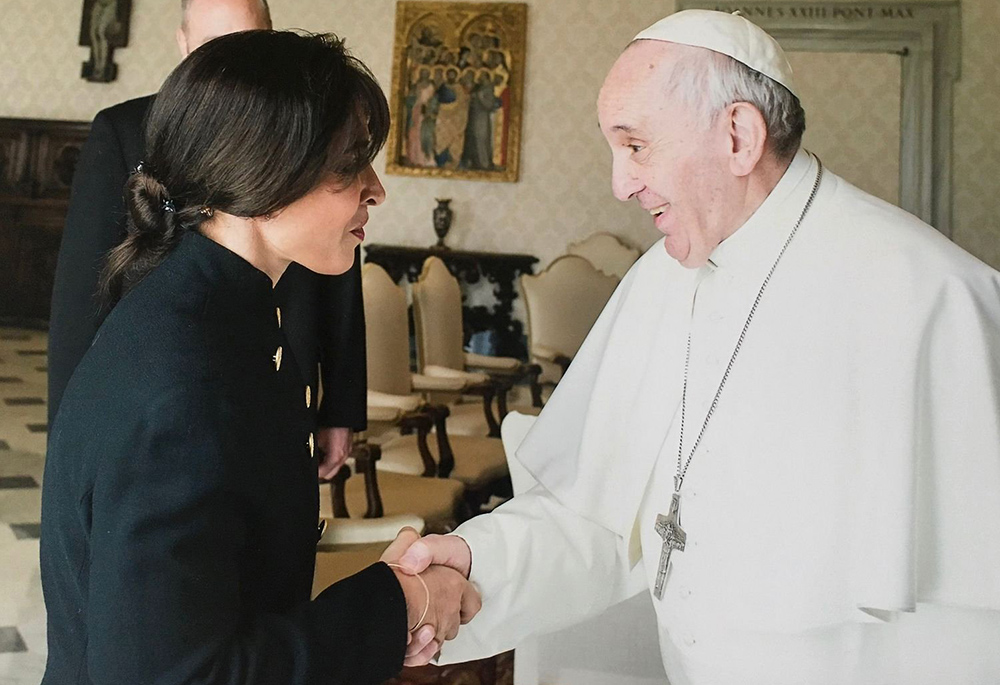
x: 539, y: 567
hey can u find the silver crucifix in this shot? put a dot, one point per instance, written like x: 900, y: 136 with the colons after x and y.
x: 669, y: 528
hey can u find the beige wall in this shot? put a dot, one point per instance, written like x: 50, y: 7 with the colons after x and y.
x: 866, y: 87
x: 564, y: 192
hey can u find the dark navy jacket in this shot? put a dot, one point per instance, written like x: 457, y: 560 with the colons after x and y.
x: 179, y: 505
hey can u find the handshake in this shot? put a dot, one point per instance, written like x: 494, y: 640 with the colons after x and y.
x: 436, y: 607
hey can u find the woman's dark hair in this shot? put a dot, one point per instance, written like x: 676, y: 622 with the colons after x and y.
x: 247, y: 124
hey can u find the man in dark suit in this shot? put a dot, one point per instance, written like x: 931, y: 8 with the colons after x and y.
x: 323, y: 315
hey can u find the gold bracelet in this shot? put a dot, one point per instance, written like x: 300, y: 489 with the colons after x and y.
x: 427, y: 593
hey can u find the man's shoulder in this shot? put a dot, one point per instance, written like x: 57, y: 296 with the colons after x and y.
x: 129, y: 113
x: 120, y: 128
x: 883, y: 231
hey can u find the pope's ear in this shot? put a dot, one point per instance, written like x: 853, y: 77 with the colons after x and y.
x: 747, y: 134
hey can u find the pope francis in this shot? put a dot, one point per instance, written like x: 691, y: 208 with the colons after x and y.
x: 785, y: 425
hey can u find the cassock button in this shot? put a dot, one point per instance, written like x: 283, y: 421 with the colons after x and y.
x: 689, y: 640
x: 312, y: 446
x: 277, y: 359
x: 277, y: 312
x: 309, y: 397
x: 685, y: 592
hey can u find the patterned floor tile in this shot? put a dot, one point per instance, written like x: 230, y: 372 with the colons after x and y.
x: 38, y: 427
x: 11, y: 379
x: 23, y: 401
x: 10, y: 640
x: 32, y: 353
x: 4, y: 446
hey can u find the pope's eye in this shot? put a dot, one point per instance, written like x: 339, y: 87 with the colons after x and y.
x: 635, y: 148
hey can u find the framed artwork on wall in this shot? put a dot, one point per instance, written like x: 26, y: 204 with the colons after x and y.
x: 457, y: 89
x: 103, y: 27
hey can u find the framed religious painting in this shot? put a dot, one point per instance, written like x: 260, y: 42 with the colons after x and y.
x: 457, y: 88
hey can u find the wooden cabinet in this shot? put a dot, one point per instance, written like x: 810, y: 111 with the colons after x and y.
x: 37, y: 161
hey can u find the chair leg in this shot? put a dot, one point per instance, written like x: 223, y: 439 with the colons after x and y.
x: 491, y: 422
x: 338, y: 497
x: 446, y: 458
x: 534, y: 372
x: 503, y: 389
x: 365, y: 458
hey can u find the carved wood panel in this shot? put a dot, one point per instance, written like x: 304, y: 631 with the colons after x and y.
x: 37, y: 161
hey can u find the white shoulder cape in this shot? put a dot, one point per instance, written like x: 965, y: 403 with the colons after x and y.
x: 916, y: 395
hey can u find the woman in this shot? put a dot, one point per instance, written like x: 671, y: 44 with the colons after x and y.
x: 179, y: 511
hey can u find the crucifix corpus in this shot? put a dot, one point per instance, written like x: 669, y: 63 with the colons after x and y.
x: 103, y: 28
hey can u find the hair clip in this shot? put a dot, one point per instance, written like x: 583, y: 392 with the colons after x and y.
x: 168, y: 206
x: 139, y: 168
x: 206, y: 211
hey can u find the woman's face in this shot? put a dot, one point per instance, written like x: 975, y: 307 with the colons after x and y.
x: 321, y: 229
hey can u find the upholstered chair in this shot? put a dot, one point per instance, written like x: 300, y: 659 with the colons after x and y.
x: 563, y: 302
x: 437, y: 317
x: 395, y: 401
x: 606, y: 252
x: 349, y: 543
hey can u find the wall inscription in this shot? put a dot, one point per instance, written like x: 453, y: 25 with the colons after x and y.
x: 811, y: 11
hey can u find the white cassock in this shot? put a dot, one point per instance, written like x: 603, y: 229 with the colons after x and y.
x: 843, y: 510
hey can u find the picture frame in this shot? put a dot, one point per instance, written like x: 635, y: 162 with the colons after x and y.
x: 104, y: 26
x: 457, y: 90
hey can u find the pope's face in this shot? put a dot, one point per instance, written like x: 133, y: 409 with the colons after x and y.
x: 665, y: 154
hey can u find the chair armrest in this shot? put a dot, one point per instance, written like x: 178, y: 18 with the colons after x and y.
x: 377, y: 414
x: 551, y: 355
x: 547, y: 353
x: 403, y: 403
x: 424, y: 383
x: 492, y: 363
x: 469, y: 377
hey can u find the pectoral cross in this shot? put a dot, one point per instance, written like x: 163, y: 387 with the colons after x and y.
x: 669, y: 528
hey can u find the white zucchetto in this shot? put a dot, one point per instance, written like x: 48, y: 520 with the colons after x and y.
x: 729, y: 34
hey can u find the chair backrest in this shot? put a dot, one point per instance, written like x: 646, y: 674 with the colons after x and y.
x: 563, y: 302
x: 387, y: 332
x: 606, y: 252
x: 437, y: 317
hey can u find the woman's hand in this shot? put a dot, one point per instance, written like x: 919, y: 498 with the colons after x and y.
x: 450, y: 601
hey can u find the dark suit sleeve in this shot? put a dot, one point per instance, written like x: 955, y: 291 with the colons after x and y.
x: 343, y: 362
x: 95, y: 223
x: 165, y: 602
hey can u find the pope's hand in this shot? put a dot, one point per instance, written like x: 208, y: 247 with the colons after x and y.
x: 452, y: 601
x: 335, y: 447
x: 443, y: 550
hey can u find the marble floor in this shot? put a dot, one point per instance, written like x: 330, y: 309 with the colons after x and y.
x: 23, y: 378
